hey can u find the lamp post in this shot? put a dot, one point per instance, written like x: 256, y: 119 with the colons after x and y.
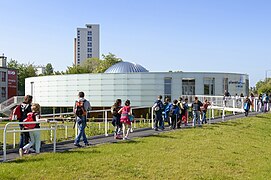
x: 266, y: 71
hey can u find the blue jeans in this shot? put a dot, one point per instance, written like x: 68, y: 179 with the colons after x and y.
x: 158, y: 119
x: 81, y: 121
x: 24, y: 138
x: 204, y: 117
x: 196, y: 117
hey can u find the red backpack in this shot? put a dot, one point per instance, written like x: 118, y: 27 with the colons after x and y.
x: 30, y: 118
x: 16, y: 113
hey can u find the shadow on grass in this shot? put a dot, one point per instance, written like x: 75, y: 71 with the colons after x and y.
x: 91, y: 150
x: 262, y: 117
x: 163, y: 136
x: 230, y: 123
x: 19, y: 161
x: 129, y: 141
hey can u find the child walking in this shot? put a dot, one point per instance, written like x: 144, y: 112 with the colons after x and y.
x: 34, y: 135
x: 126, y: 123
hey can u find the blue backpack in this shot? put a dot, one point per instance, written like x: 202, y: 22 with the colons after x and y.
x: 246, y: 106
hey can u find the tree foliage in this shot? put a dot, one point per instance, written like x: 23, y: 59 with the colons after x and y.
x: 94, y: 65
x: 264, y: 86
x: 49, y: 70
x: 24, y: 71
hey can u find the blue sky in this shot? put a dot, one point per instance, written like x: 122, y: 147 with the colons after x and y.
x: 196, y: 35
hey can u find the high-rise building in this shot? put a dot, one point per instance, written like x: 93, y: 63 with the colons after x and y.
x: 87, y: 43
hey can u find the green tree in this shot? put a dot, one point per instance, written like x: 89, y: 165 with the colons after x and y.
x: 49, y: 70
x: 76, y: 69
x: 94, y: 65
x: 264, y: 86
x: 108, y: 61
x: 24, y: 71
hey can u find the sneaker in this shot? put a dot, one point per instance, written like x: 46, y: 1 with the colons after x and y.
x: 156, y: 129
x: 26, y: 151
x: 21, y: 152
x: 77, y: 145
x: 87, y: 144
x: 31, y: 150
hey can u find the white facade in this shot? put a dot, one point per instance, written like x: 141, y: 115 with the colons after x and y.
x: 87, y: 43
x: 141, y: 88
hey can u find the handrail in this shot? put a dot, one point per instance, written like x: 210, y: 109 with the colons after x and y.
x: 28, y: 130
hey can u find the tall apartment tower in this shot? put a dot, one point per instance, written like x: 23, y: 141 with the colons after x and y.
x: 87, y: 43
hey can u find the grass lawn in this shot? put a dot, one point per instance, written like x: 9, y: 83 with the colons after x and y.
x: 239, y: 149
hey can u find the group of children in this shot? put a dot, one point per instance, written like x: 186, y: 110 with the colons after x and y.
x: 122, y: 118
x: 176, y: 113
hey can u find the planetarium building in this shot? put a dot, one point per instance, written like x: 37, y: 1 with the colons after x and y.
x: 127, y: 80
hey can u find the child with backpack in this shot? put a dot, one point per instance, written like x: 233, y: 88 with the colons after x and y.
x: 247, y: 105
x: 185, y: 112
x: 125, y: 120
x: 34, y: 135
x: 116, y: 118
x: 80, y: 109
x: 20, y: 113
x: 174, y: 114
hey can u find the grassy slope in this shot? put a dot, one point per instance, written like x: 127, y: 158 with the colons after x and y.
x: 234, y: 150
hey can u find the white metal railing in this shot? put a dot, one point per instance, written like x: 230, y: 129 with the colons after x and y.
x: 54, y: 117
x: 52, y: 128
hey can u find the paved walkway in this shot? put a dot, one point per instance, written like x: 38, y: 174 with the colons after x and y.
x: 144, y: 132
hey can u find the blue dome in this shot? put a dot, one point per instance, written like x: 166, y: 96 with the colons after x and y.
x: 126, y: 67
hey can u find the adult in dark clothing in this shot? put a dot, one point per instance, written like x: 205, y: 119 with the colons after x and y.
x: 196, y: 111
x: 158, y: 110
x: 116, y: 118
x: 25, y: 108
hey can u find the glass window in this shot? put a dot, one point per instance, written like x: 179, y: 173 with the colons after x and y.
x: 247, y: 87
x: 4, y: 74
x: 89, y: 55
x: 89, y: 38
x: 89, y: 44
x: 209, y: 86
x: 89, y: 50
x: 89, y: 33
x: 188, y: 86
x: 3, y: 92
x: 225, y: 85
x: 167, y: 87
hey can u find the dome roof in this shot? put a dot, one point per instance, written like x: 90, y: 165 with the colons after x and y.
x: 126, y: 67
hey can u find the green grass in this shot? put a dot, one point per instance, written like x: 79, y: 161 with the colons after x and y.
x: 238, y: 149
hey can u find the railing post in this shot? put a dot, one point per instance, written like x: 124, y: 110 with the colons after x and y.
x: 223, y: 114
x: 105, y: 124
x: 5, y: 143
x: 213, y: 112
x: 14, y: 139
x: 66, y: 132
x: 233, y: 105
x: 51, y: 134
x: 132, y: 122
x: 152, y: 119
x: 255, y: 105
x: 55, y: 128
x: 76, y: 129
